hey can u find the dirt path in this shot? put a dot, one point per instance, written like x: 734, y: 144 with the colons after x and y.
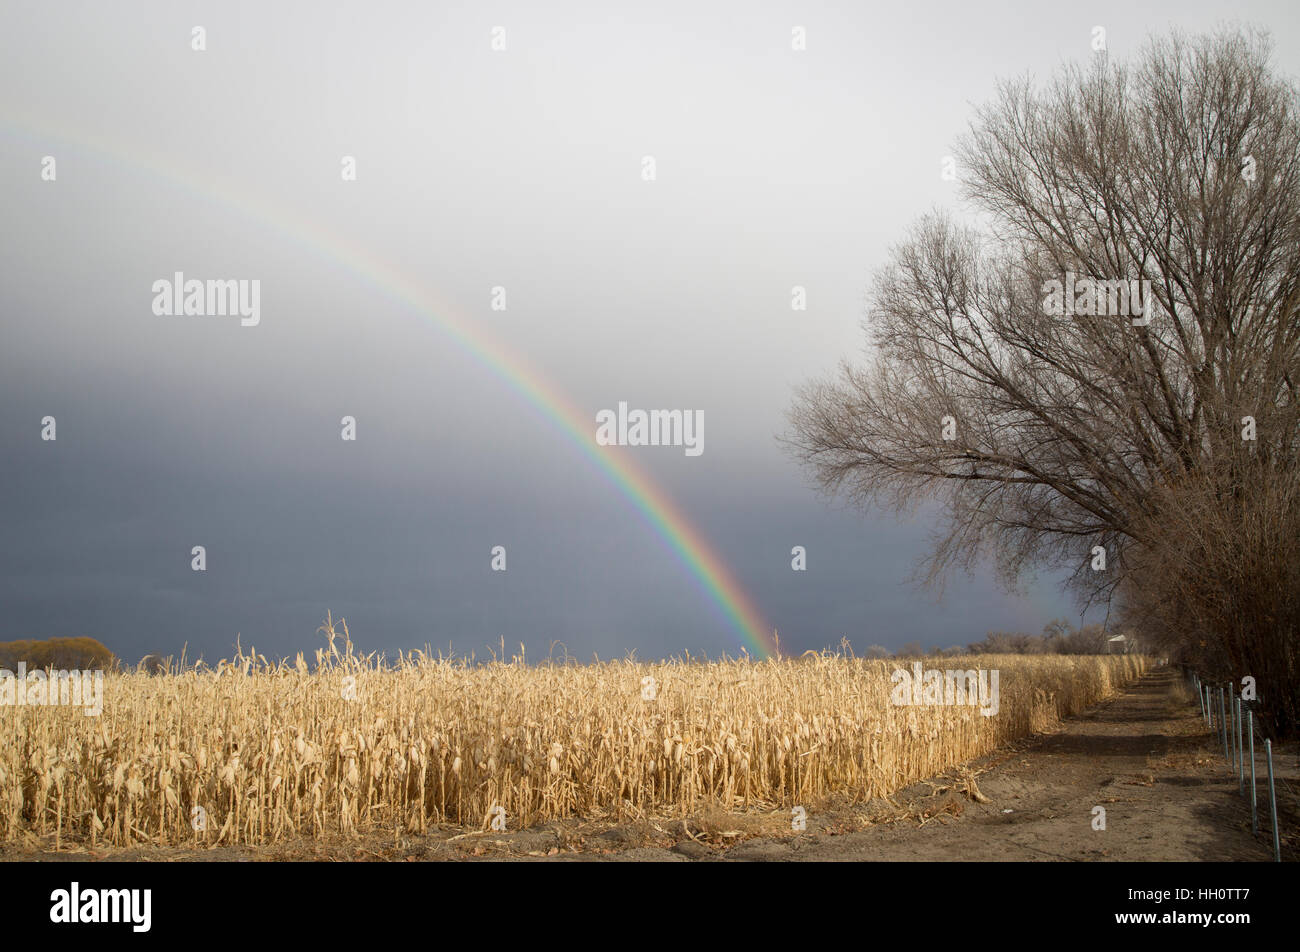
x: 1144, y: 756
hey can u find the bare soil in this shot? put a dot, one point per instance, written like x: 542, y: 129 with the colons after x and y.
x: 1144, y: 756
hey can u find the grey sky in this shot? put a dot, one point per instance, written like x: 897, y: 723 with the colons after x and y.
x: 476, y: 168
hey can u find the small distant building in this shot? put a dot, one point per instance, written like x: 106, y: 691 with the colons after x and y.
x: 1117, y: 644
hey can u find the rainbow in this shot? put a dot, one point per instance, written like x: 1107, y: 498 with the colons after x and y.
x: 655, y: 507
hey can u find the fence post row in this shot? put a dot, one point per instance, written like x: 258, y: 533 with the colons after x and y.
x: 1234, y: 723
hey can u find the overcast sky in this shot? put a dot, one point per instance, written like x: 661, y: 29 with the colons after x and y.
x: 476, y: 168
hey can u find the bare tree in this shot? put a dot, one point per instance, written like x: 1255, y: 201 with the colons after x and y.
x: 1090, y: 639
x: 1057, y: 628
x: 1002, y: 642
x: 1077, y: 432
x: 155, y: 664
x: 1221, y: 582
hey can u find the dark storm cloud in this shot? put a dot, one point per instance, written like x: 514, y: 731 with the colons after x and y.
x: 476, y: 169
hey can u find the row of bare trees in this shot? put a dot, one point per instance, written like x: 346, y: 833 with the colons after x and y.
x: 1151, y: 452
x: 1058, y: 637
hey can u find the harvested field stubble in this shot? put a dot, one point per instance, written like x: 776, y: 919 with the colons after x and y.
x: 254, y: 753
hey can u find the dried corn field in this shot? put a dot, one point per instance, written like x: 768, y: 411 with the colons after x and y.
x: 254, y: 753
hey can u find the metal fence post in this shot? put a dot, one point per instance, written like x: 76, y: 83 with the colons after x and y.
x: 1232, y: 729
x: 1254, y: 810
x: 1272, y: 802
x: 1241, y: 776
x: 1223, y: 721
